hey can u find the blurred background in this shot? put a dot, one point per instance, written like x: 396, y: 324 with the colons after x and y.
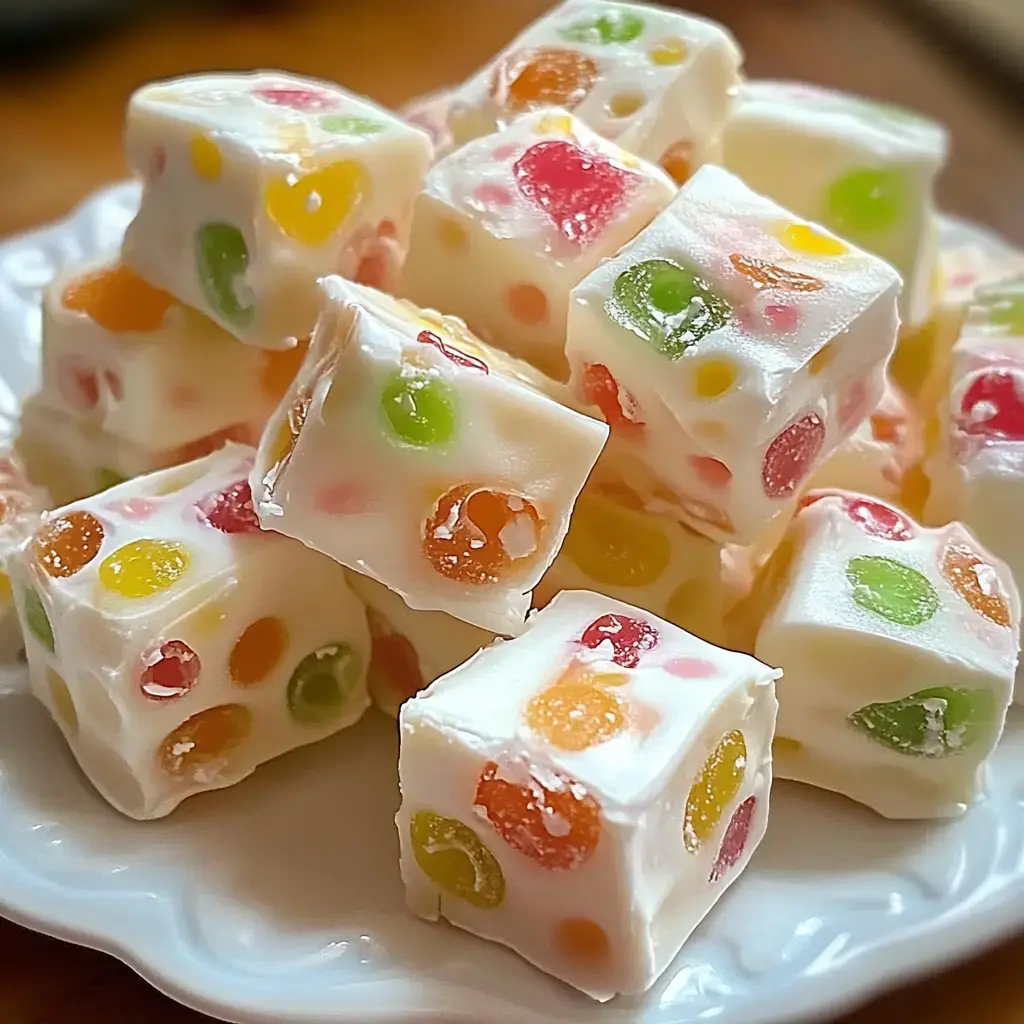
x: 68, y: 66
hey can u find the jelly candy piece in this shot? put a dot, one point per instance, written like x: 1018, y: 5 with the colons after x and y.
x: 340, y: 124
x: 625, y: 104
x: 206, y: 157
x: 615, y: 548
x: 280, y: 367
x: 222, y: 259
x: 557, y: 823
x: 867, y: 201
x: 629, y: 638
x: 307, y: 101
x: 545, y: 76
x: 716, y: 786
x: 477, y: 535
x: 677, y: 161
x: 937, y: 722
x: 669, y: 306
x: 791, y: 456
x: 763, y: 274
x: 712, y: 472
x: 1002, y: 306
x: 118, y: 300
x: 200, y: 747
x: 993, y: 406
x: 144, y: 567
x: 671, y: 50
x: 323, y: 683
x: 712, y: 378
x: 420, y: 409
x: 450, y: 352
x: 617, y: 26
x: 63, y: 702
x: 394, y: 661
x: 735, y: 839
x: 67, y: 543
x: 37, y: 620
x: 527, y: 303
x: 583, y: 941
x: 892, y: 590
x: 258, y: 651
x: 871, y: 516
x: 575, y: 716
x: 107, y: 478
x: 311, y: 208
x: 690, y: 668
x: 977, y: 583
x: 170, y: 671
x: 454, y: 857
x: 580, y: 191
x: 804, y: 238
x: 230, y: 510
x: 618, y: 406
x: 453, y: 234
x: 782, y: 318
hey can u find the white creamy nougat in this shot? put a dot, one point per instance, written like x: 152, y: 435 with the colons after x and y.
x: 865, y: 170
x: 586, y: 792
x: 257, y: 185
x: 658, y: 82
x: 127, y: 358
x: 507, y: 225
x: 410, y: 452
x: 177, y: 645
x: 732, y: 348
x: 899, y: 646
x: 411, y: 648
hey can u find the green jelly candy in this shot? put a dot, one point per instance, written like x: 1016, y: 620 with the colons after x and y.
x: 1002, y: 305
x: 222, y: 258
x: 614, y: 27
x: 323, y: 683
x: 670, y: 306
x: 420, y: 409
x: 453, y: 856
x: 37, y: 620
x: 937, y: 722
x: 892, y: 590
x: 867, y: 201
x: 340, y: 124
x: 107, y: 478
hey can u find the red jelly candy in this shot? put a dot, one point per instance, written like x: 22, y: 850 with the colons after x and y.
x: 308, y: 101
x: 170, y: 672
x: 618, y: 406
x: 790, y: 457
x: 579, y: 191
x: 457, y: 356
x: 993, y: 406
x: 735, y: 839
x: 630, y: 638
x: 394, y: 663
x: 871, y: 516
x: 231, y: 510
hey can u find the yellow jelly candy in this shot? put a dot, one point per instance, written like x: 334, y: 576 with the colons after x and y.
x: 714, y: 377
x: 667, y: 52
x: 574, y: 716
x: 807, y: 239
x: 206, y: 157
x: 63, y: 704
x: 199, y: 748
x: 717, y: 784
x: 454, y: 857
x: 313, y: 207
x: 144, y: 567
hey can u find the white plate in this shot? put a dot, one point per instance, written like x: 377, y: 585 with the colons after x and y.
x: 279, y: 900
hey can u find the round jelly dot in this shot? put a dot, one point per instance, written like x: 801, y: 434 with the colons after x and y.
x: 669, y: 51
x: 201, y: 746
x: 804, y: 238
x: 879, y: 520
x: 323, y: 684
x: 993, y: 406
x: 206, y: 157
x: 892, y: 590
x: 677, y: 161
x: 307, y: 101
x: 712, y: 378
x: 977, y: 582
x: 618, y: 406
x: 169, y: 671
x: 575, y: 716
x: 868, y: 201
x: 454, y: 857
x: 630, y: 638
x: 782, y: 318
x: 716, y: 786
x: 66, y: 544
x: 582, y: 941
x: 709, y: 471
x: 145, y: 567
x: 394, y: 661
x: 527, y: 303
x: 360, y: 127
x: 557, y: 824
x: 222, y: 260
x: 625, y: 104
x: 258, y: 651
x: 617, y: 26
x: 734, y: 842
x: 118, y: 300
x: 37, y: 620
x: 63, y: 702
x: 312, y: 208
x: 790, y: 458
x: 545, y: 76
x: 419, y: 409
x: 762, y: 274
x: 230, y: 510
x: 451, y: 233
x: 690, y: 668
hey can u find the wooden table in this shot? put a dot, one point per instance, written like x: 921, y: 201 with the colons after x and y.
x: 60, y: 127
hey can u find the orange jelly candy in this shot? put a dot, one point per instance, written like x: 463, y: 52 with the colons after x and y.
x: 763, y: 274
x: 118, y: 299
x: 67, y: 544
x: 976, y: 582
x: 557, y: 824
x: 200, y: 746
x: 545, y: 76
x: 576, y: 715
x: 476, y: 535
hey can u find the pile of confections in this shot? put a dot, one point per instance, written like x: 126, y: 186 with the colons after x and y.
x: 575, y: 406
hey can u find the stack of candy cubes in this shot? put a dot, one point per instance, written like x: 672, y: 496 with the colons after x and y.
x: 557, y: 422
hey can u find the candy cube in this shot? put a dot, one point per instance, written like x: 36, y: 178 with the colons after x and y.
x: 410, y: 648
x: 177, y: 645
x: 899, y: 646
x: 731, y: 348
x: 509, y: 224
x: 658, y: 82
x: 412, y: 453
x: 255, y: 186
x: 586, y: 792
x: 865, y: 170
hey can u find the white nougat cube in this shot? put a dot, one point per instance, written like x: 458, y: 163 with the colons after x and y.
x: 127, y: 358
x: 732, y: 348
x: 658, y: 82
x: 586, y: 792
x: 865, y: 170
x: 410, y: 648
x: 507, y: 225
x: 411, y: 453
x: 255, y: 186
x: 176, y: 644
x: 899, y: 646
